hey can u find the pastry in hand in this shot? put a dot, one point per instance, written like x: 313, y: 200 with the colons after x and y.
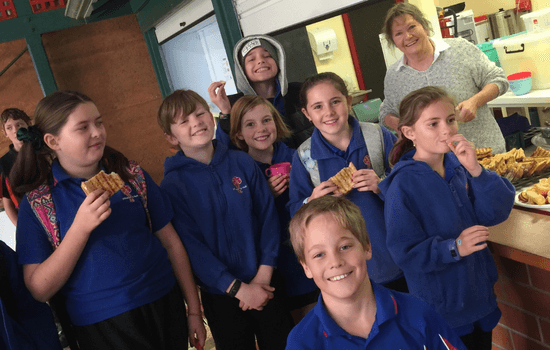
x: 108, y: 182
x: 342, y: 179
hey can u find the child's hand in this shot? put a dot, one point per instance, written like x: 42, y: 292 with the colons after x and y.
x: 93, y: 211
x: 465, y: 151
x: 278, y: 184
x: 219, y: 98
x: 472, y: 239
x: 254, y: 296
x: 197, y: 332
x: 365, y: 180
x: 323, y: 189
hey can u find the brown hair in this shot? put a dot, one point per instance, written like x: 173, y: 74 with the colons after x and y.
x: 15, y: 114
x: 326, y: 77
x: 401, y: 9
x: 345, y: 212
x: 179, y: 102
x: 410, y: 109
x: 243, y: 106
x: 33, y: 167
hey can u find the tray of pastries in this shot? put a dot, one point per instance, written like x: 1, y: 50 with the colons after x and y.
x: 514, y: 165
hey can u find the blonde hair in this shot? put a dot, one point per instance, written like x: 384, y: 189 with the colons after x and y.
x: 179, y: 102
x: 345, y: 212
x: 243, y: 106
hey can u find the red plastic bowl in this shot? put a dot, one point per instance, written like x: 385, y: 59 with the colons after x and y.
x: 520, y: 75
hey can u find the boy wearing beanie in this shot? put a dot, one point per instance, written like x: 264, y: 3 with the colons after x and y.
x: 260, y: 69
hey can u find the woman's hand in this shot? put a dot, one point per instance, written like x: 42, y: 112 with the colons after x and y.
x: 323, y: 189
x: 93, y: 211
x: 278, y: 184
x: 219, y: 97
x: 365, y: 180
x: 467, y: 109
x: 472, y: 239
x: 465, y: 151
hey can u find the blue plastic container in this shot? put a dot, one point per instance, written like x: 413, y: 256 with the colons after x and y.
x: 520, y: 83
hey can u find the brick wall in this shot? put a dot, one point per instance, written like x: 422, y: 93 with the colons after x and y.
x: 523, y: 295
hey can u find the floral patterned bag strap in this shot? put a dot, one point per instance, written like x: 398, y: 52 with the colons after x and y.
x: 139, y: 184
x: 42, y: 205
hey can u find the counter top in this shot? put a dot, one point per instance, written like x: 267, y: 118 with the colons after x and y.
x: 535, y: 98
x: 528, y: 233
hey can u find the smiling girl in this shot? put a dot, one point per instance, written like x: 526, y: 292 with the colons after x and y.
x: 115, y: 259
x: 257, y: 128
x: 438, y: 204
x: 337, y: 140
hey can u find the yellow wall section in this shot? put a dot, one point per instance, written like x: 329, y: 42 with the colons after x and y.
x: 483, y: 7
x: 342, y: 63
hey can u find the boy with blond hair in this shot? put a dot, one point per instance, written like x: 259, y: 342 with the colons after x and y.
x: 330, y: 239
x: 225, y: 215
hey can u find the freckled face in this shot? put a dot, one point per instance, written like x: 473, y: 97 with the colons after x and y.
x: 258, y: 128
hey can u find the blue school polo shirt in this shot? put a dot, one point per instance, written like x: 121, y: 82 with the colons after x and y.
x: 402, y: 322
x: 123, y: 265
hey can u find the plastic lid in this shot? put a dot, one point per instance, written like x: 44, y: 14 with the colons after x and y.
x: 525, y: 38
x: 520, y: 75
x: 480, y: 18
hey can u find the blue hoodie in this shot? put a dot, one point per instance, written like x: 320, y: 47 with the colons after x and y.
x: 295, y: 279
x: 225, y: 214
x: 425, y: 213
x: 382, y: 268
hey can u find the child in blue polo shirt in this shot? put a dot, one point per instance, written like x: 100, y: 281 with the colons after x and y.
x: 330, y: 239
x: 257, y: 128
x: 113, y: 257
x: 226, y: 217
x: 337, y: 140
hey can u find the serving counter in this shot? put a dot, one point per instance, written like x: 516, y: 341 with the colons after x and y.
x: 535, y: 98
x: 524, y: 237
x: 521, y: 248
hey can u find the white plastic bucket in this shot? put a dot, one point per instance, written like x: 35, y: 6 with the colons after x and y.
x: 528, y: 52
x: 542, y: 17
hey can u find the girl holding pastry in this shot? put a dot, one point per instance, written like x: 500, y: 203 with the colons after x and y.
x: 116, y: 260
x: 438, y: 204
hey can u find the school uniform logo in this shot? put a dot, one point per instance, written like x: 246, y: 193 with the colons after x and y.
x: 367, y: 162
x: 237, y: 183
x: 127, y: 192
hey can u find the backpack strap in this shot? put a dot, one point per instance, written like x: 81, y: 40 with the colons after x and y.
x: 42, y: 205
x: 304, y: 152
x: 374, y: 138
x: 139, y: 184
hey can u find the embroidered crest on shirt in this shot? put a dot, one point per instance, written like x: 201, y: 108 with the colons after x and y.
x: 367, y: 162
x: 237, y: 183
